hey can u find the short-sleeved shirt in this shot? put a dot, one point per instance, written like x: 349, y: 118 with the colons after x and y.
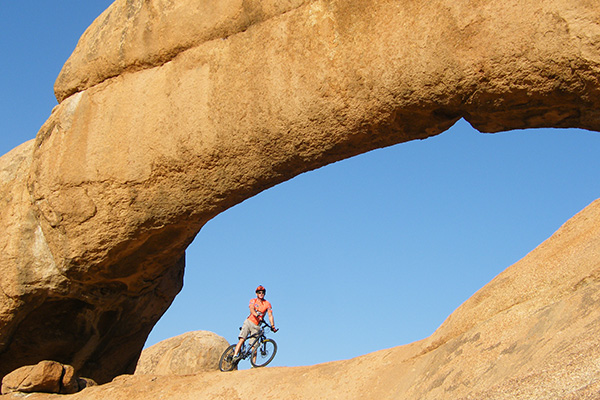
x: 261, y: 307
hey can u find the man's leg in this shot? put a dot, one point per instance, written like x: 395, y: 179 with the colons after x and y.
x: 238, y: 347
x: 243, y: 335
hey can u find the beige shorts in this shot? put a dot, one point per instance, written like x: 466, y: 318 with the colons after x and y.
x: 248, y: 329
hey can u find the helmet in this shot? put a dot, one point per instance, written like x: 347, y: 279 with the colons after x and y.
x: 261, y: 287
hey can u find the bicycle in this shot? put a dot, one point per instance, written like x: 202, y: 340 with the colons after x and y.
x: 261, y: 350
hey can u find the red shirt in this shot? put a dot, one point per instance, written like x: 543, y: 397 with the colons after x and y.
x: 260, y: 306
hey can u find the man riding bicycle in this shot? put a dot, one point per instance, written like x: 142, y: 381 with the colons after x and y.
x: 258, y: 307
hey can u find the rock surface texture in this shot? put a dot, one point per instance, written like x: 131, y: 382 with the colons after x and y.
x: 186, y: 354
x: 171, y: 112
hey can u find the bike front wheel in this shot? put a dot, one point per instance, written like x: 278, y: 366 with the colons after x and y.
x: 226, y: 362
x: 264, y: 353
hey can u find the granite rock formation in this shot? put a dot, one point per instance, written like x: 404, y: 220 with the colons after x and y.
x: 46, y: 376
x: 186, y: 354
x: 171, y: 112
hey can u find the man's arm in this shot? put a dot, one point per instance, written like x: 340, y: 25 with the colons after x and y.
x: 271, y: 319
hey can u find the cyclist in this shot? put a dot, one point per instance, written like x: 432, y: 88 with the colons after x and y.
x: 258, y: 307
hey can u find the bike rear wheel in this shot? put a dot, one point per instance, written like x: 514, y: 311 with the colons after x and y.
x: 226, y: 362
x: 263, y: 353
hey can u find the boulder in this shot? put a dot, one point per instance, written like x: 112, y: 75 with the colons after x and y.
x: 46, y: 376
x: 172, y: 112
x: 190, y: 353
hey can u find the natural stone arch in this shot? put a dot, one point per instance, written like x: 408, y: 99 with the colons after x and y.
x: 146, y: 146
x: 418, y: 252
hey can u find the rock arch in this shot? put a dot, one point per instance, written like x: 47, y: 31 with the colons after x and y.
x: 170, y: 114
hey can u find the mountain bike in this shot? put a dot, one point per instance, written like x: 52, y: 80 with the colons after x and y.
x: 258, y: 347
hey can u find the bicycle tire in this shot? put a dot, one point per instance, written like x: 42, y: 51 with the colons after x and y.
x: 263, y: 353
x: 225, y: 362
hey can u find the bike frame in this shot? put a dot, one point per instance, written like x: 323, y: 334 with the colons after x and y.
x: 246, y: 350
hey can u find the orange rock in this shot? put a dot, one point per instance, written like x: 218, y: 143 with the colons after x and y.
x: 172, y: 112
x: 190, y: 353
x: 46, y: 376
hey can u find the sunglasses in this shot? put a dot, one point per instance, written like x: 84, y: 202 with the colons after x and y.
x: 261, y: 292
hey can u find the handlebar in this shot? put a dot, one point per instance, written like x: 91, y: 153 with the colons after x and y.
x: 265, y: 323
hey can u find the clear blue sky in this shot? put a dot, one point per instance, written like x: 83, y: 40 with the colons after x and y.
x: 365, y: 254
